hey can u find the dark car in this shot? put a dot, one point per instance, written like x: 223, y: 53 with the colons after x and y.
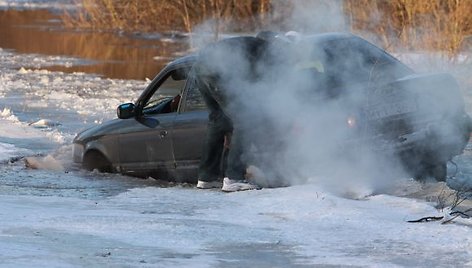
x: 162, y: 133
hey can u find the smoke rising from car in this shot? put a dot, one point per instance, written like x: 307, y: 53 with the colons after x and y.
x: 313, y: 16
x: 304, y: 115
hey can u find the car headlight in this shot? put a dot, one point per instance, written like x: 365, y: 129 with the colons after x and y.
x: 351, y: 121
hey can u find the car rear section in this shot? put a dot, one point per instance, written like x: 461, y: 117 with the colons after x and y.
x: 420, y: 118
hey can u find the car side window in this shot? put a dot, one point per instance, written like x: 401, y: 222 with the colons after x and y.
x: 166, y: 98
x: 193, y: 99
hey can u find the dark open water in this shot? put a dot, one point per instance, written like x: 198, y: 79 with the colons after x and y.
x: 111, y: 55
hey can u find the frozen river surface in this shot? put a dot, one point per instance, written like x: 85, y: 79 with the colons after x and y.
x: 60, y: 216
x: 64, y: 217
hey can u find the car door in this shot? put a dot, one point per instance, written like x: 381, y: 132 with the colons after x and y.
x: 189, y: 131
x: 145, y: 141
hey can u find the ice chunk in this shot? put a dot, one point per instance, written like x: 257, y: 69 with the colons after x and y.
x: 44, y: 123
x: 7, y: 114
x: 22, y: 70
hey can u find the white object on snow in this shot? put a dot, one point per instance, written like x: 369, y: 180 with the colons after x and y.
x: 45, y: 123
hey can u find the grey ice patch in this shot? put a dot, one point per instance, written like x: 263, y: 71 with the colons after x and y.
x: 273, y: 254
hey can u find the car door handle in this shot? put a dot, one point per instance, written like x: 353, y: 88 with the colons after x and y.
x: 163, y: 134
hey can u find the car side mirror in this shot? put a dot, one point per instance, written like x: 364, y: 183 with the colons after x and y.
x: 126, y: 110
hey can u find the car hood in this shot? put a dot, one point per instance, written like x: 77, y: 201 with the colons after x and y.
x: 107, y: 128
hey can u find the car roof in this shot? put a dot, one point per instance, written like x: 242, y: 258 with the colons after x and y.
x: 185, y: 60
x: 315, y: 38
x: 328, y: 37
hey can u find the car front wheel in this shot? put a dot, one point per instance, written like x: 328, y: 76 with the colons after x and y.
x: 96, y: 160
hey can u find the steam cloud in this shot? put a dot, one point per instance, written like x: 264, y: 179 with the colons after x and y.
x: 294, y: 135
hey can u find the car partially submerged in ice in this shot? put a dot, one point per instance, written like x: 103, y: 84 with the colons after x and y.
x: 420, y: 118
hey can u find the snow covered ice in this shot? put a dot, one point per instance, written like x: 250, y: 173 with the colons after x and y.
x: 55, y: 215
x: 74, y: 218
x: 296, y: 226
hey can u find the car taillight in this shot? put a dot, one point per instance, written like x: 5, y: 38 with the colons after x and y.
x: 351, y: 122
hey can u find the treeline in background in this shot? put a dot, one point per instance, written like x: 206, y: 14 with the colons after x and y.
x: 431, y: 25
